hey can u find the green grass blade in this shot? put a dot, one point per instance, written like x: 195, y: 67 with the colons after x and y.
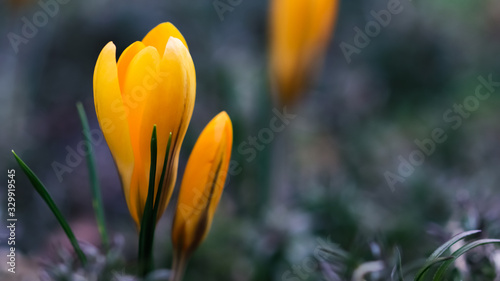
x: 145, y: 236
x: 439, y: 251
x: 441, y: 272
x: 336, y: 252
x: 421, y: 273
x: 40, y: 188
x: 94, y: 182
x: 434, y: 257
x: 148, y: 223
x: 398, y: 269
x: 162, y: 179
x: 412, y: 267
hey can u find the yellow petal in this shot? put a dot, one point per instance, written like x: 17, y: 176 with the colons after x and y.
x: 111, y: 114
x: 125, y: 59
x: 300, y: 32
x: 170, y: 108
x: 159, y: 36
x: 202, y: 184
x: 140, y: 83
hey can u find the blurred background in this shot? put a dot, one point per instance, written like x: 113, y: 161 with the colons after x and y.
x: 334, y: 177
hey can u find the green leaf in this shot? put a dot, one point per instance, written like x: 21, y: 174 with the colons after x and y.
x: 40, y: 188
x: 94, y: 182
x: 439, y: 251
x: 433, y: 258
x: 145, y: 239
x: 162, y: 178
x: 148, y: 222
x: 335, y: 252
x: 441, y: 272
x: 421, y: 273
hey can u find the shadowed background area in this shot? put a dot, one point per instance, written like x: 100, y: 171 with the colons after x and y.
x: 393, y: 145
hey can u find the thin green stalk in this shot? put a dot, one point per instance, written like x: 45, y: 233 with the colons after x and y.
x: 145, y: 239
x: 160, y: 185
x: 428, y: 265
x: 441, y: 271
x: 94, y: 182
x: 148, y: 223
x: 443, y: 248
x: 435, y: 257
x: 40, y: 188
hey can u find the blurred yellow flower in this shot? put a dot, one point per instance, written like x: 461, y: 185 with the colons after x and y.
x: 300, y: 32
x: 201, y: 189
x: 154, y: 82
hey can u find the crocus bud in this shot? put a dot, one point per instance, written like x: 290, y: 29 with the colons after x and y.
x: 299, y: 35
x: 154, y: 82
x: 201, y: 189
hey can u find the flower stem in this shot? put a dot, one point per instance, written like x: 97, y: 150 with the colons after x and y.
x: 179, y: 266
x: 94, y: 182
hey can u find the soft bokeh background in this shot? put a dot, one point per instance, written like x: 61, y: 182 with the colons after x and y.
x: 320, y: 178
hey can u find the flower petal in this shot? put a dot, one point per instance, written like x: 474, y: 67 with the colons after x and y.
x: 111, y: 115
x: 300, y: 31
x: 141, y: 82
x: 202, y: 184
x: 159, y: 36
x: 125, y: 59
x: 175, y: 101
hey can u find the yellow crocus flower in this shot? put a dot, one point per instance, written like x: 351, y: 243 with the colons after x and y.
x: 154, y: 82
x: 201, y: 189
x: 299, y: 35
